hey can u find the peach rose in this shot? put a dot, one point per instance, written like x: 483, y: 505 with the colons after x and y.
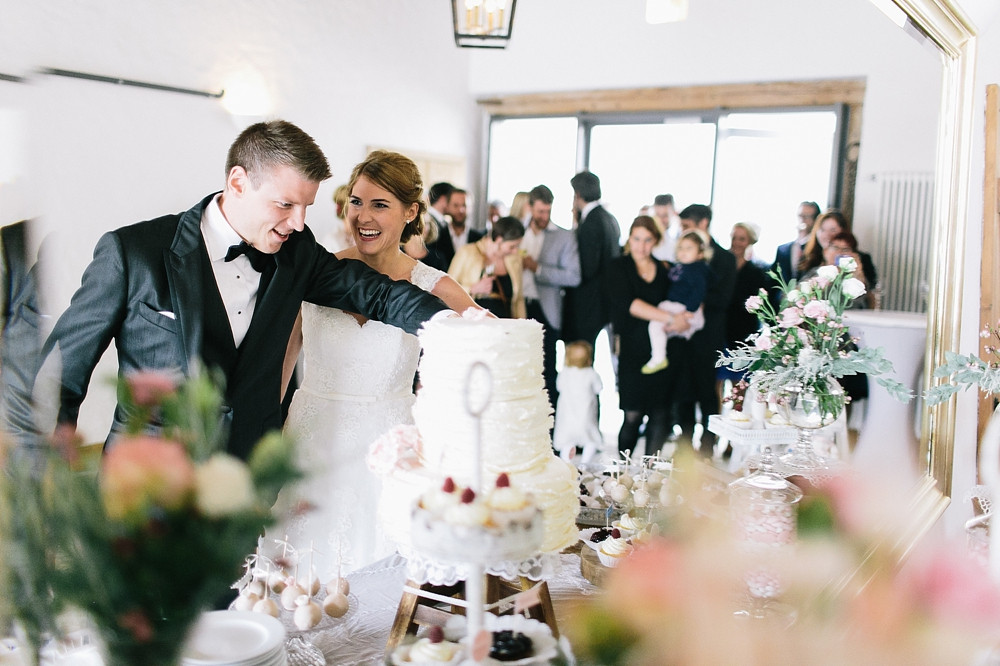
x: 150, y: 388
x: 140, y: 473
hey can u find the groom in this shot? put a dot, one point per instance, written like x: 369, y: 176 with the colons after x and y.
x: 223, y: 283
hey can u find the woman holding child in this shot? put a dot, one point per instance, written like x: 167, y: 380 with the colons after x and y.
x: 636, y: 283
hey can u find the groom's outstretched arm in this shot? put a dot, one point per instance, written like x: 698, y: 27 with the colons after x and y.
x: 350, y: 285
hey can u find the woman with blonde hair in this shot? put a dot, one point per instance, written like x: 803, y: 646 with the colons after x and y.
x: 358, y: 379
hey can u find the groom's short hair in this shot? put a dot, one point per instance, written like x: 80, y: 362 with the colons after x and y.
x: 263, y: 146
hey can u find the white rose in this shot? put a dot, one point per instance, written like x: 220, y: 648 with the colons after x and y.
x: 853, y: 287
x: 847, y: 265
x: 223, y: 486
x: 827, y: 272
x: 794, y: 295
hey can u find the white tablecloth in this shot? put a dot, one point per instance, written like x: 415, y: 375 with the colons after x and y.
x: 888, y: 438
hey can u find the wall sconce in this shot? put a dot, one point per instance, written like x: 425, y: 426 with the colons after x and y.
x: 666, y: 11
x: 482, y: 23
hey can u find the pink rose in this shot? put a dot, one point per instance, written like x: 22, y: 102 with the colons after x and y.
x: 763, y: 342
x: 140, y: 473
x: 818, y: 310
x: 754, y: 303
x: 150, y: 388
x: 398, y: 448
x: 791, y: 317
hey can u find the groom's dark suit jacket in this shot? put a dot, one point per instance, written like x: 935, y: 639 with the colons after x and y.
x: 151, y: 289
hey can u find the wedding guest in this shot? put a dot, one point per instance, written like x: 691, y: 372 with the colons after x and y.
x: 576, y: 430
x: 222, y: 283
x: 634, y: 283
x: 551, y: 264
x: 666, y: 218
x: 598, y: 239
x: 519, y: 207
x: 689, y: 278
x: 842, y: 246
x: 491, y: 270
x: 693, y: 380
x: 457, y: 232
x: 788, y: 255
x: 750, y: 279
x: 384, y: 210
x: 828, y: 225
x: 339, y: 237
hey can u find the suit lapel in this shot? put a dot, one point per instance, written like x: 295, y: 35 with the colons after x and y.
x: 184, y: 270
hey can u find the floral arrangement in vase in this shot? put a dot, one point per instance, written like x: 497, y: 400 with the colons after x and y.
x: 845, y: 597
x: 804, y: 343
x: 153, y: 537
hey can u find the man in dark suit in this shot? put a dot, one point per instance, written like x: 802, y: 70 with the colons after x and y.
x: 786, y: 258
x: 457, y: 234
x: 223, y: 282
x: 598, y: 237
x: 20, y: 340
x: 438, y: 250
x: 696, y: 357
x: 551, y: 265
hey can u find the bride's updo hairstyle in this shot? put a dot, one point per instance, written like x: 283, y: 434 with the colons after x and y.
x: 399, y: 175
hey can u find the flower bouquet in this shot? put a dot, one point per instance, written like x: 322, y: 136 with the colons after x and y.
x: 152, y: 539
x: 803, y: 347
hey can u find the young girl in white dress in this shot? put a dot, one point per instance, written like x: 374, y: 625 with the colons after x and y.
x: 358, y: 377
x: 578, y: 385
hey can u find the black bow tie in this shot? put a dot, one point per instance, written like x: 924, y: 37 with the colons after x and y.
x: 259, y: 260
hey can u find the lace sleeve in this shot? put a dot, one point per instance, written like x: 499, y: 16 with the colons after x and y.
x: 425, y: 277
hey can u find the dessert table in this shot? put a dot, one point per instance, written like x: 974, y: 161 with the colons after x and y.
x: 889, y: 436
x: 360, y: 637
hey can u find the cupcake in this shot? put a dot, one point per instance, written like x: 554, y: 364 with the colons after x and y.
x: 629, y: 525
x: 613, y: 551
x: 431, y: 650
x: 468, y: 512
x: 509, y: 504
x: 442, y: 498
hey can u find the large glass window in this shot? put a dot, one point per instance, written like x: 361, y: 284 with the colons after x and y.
x: 750, y: 166
x: 637, y: 162
x: 525, y: 152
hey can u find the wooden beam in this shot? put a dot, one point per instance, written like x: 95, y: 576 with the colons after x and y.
x: 680, y: 98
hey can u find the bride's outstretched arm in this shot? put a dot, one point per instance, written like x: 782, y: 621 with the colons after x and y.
x: 454, y: 296
x: 291, y: 354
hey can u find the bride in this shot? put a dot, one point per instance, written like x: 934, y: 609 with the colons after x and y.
x: 358, y: 377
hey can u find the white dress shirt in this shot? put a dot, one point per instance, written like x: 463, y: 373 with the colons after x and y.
x: 237, y: 280
x: 531, y: 245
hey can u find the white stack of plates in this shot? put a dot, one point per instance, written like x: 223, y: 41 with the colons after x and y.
x: 236, y: 638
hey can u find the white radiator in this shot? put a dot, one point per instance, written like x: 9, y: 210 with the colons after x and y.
x: 902, y: 256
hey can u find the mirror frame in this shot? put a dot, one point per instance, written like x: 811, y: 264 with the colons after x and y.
x: 950, y: 30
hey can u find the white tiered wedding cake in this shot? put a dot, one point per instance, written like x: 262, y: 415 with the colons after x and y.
x: 514, y: 425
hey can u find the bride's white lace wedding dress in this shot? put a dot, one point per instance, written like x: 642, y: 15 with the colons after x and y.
x: 357, y: 384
